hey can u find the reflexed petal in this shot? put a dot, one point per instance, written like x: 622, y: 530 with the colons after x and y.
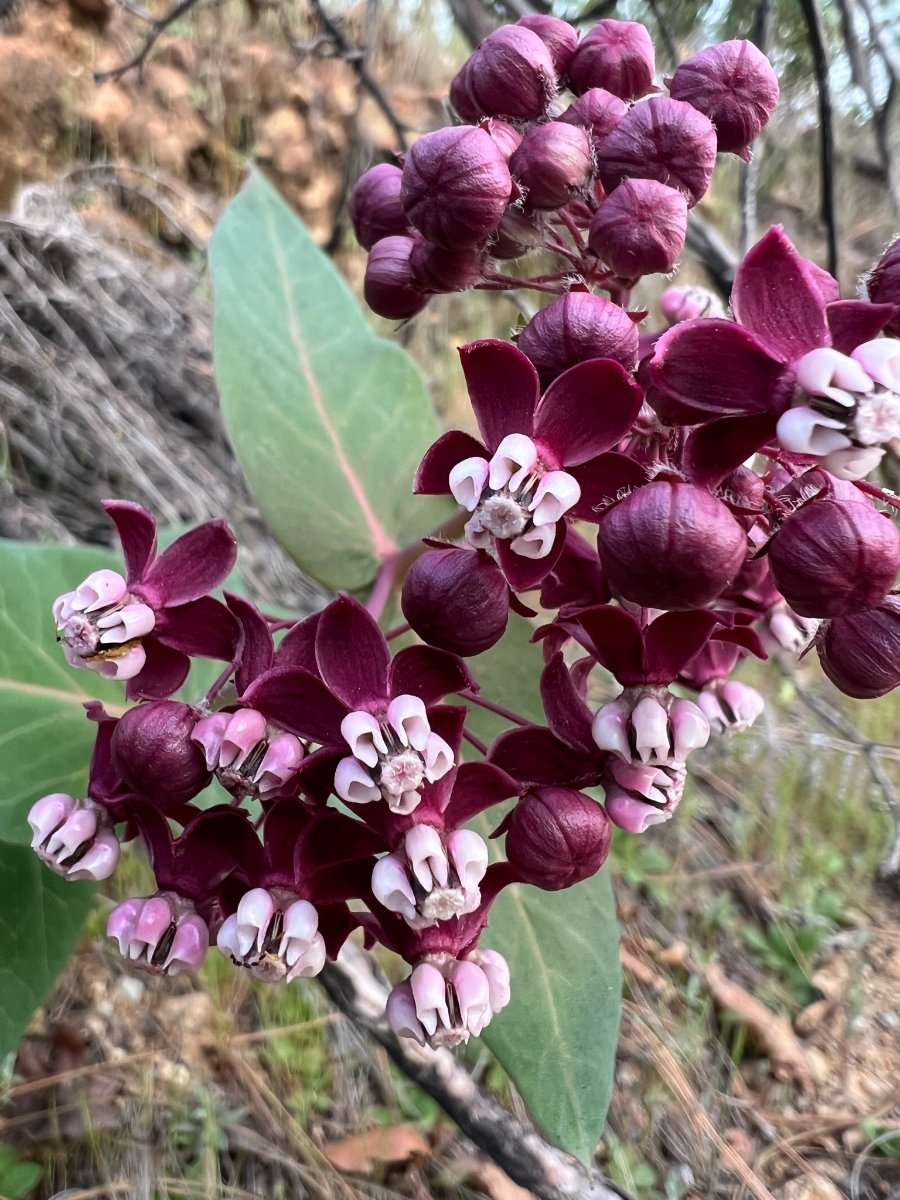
x: 256, y: 647
x: 299, y: 702
x: 433, y: 476
x: 428, y: 673
x: 298, y: 646
x: 163, y: 672
x: 603, y: 479
x: 567, y: 714
x: 503, y: 387
x: 854, y: 321
x: 719, y: 447
x: 613, y: 637
x: 672, y: 640
x: 192, y: 566
x: 137, y: 533
x: 720, y: 369
x: 352, y: 654
x: 477, y: 786
x: 779, y: 298
x: 523, y: 574
x: 586, y: 411
x: 203, y: 628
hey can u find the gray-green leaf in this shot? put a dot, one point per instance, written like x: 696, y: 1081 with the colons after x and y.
x: 328, y: 421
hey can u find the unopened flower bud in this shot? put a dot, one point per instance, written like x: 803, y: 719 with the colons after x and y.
x: 596, y: 110
x: 456, y: 186
x: 73, y: 837
x: 456, y: 600
x: 734, y: 85
x: 153, y: 751
x: 576, y: 327
x: 553, y: 164
x: 661, y: 139
x: 161, y: 933
x: 436, y: 269
x: 832, y: 558
x: 617, y: 56
x: 560, y: 38
x: 640, y: 229
x: 670, y: 545
x: 860, y: 653
x: 511, y: 74
x: 883, y: 284
x: 389, y: 286
x: 375, y: 208
x: 557, y: 837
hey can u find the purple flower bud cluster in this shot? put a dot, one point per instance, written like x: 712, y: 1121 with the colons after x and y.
x: 665, y: 504
x: 568, y: 147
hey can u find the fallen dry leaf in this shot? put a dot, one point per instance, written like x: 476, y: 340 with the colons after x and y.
x: 771, y: 1034
x: 385, y: 1144
x: 488, y: 1178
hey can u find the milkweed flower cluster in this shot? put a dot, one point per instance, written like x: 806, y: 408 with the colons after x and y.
x: 668, y: 503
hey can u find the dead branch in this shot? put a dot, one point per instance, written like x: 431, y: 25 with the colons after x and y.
x: 523, y: 1153
x: 819, y: 49
x: 157, y: 28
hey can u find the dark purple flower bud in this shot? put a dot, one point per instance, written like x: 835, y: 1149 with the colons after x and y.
x: 670, y: 545
x: 883, y: 284
x: 557, y: 837
x: 517, y: 234
x: 735, y: 86
x: 640, y: 229
x: 463, y: 104
x: 832, y: 558
x: 375, y: 208
x: 153, y: 752
x: 456, y: 600
x: 860, y: 654
x: 597, y: 110
x: 577, y: 327
x: 436, y: 269
x: 511, y: 74
x: 554, y: 164
x: 505, y: 136
x: 560, y: 38
x: 617, y: 56
x: 389, y: 287
x: 661, y: 139
x: 456, y: 186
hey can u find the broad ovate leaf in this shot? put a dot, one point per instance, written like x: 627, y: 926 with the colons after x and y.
x: 39, y: 927
x: 46, y: 738
x: 328, y: 420
x: 557, y: 1038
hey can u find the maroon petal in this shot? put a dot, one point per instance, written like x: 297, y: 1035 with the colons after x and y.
x: 429, y: 674
x: 715, y: 450
x: 204, y: 628
x: 315, y: 777
x: 523, y: 574
x: 352, y: 654
x: 744, y: 636
x: 577, y: 577
x: 334, y: 839
x: 448, y: 721
x: 216, y: 843
x: 103, y: 778
x: 585, y: 411
x: 718, y: 368
x: 433, y: 476
x: 256, y: 650
x: 672, y: 640
x: 298, y: 646
x: 534, y: 755
x: 478, y: 786
x: 137, y: 533
x: 614, y: 638
x: 336, y: 923
x: 157, y: 837
x: 162, y: 674
x: 192, y: 566
x: 299, y: 702
x: 503, y: 387
x: 567, y: 714
x: 779, y: 298
x: 601, y: 480
x: 853, y: 322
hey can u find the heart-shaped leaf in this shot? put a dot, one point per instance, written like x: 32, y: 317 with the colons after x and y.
x: 40, y: 921
x: 45, y: 737
x: 328, y: 421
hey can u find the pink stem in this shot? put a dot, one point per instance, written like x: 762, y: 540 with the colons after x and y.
x: 479, y: 745
x: 495, y: 708
x: 381, y: 589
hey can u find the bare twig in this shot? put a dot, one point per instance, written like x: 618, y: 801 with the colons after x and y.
x: 518, y: 1148
x: 749, y: 180
x: 151, y: 37
x: 713, y: 251
x: 817, y: 45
